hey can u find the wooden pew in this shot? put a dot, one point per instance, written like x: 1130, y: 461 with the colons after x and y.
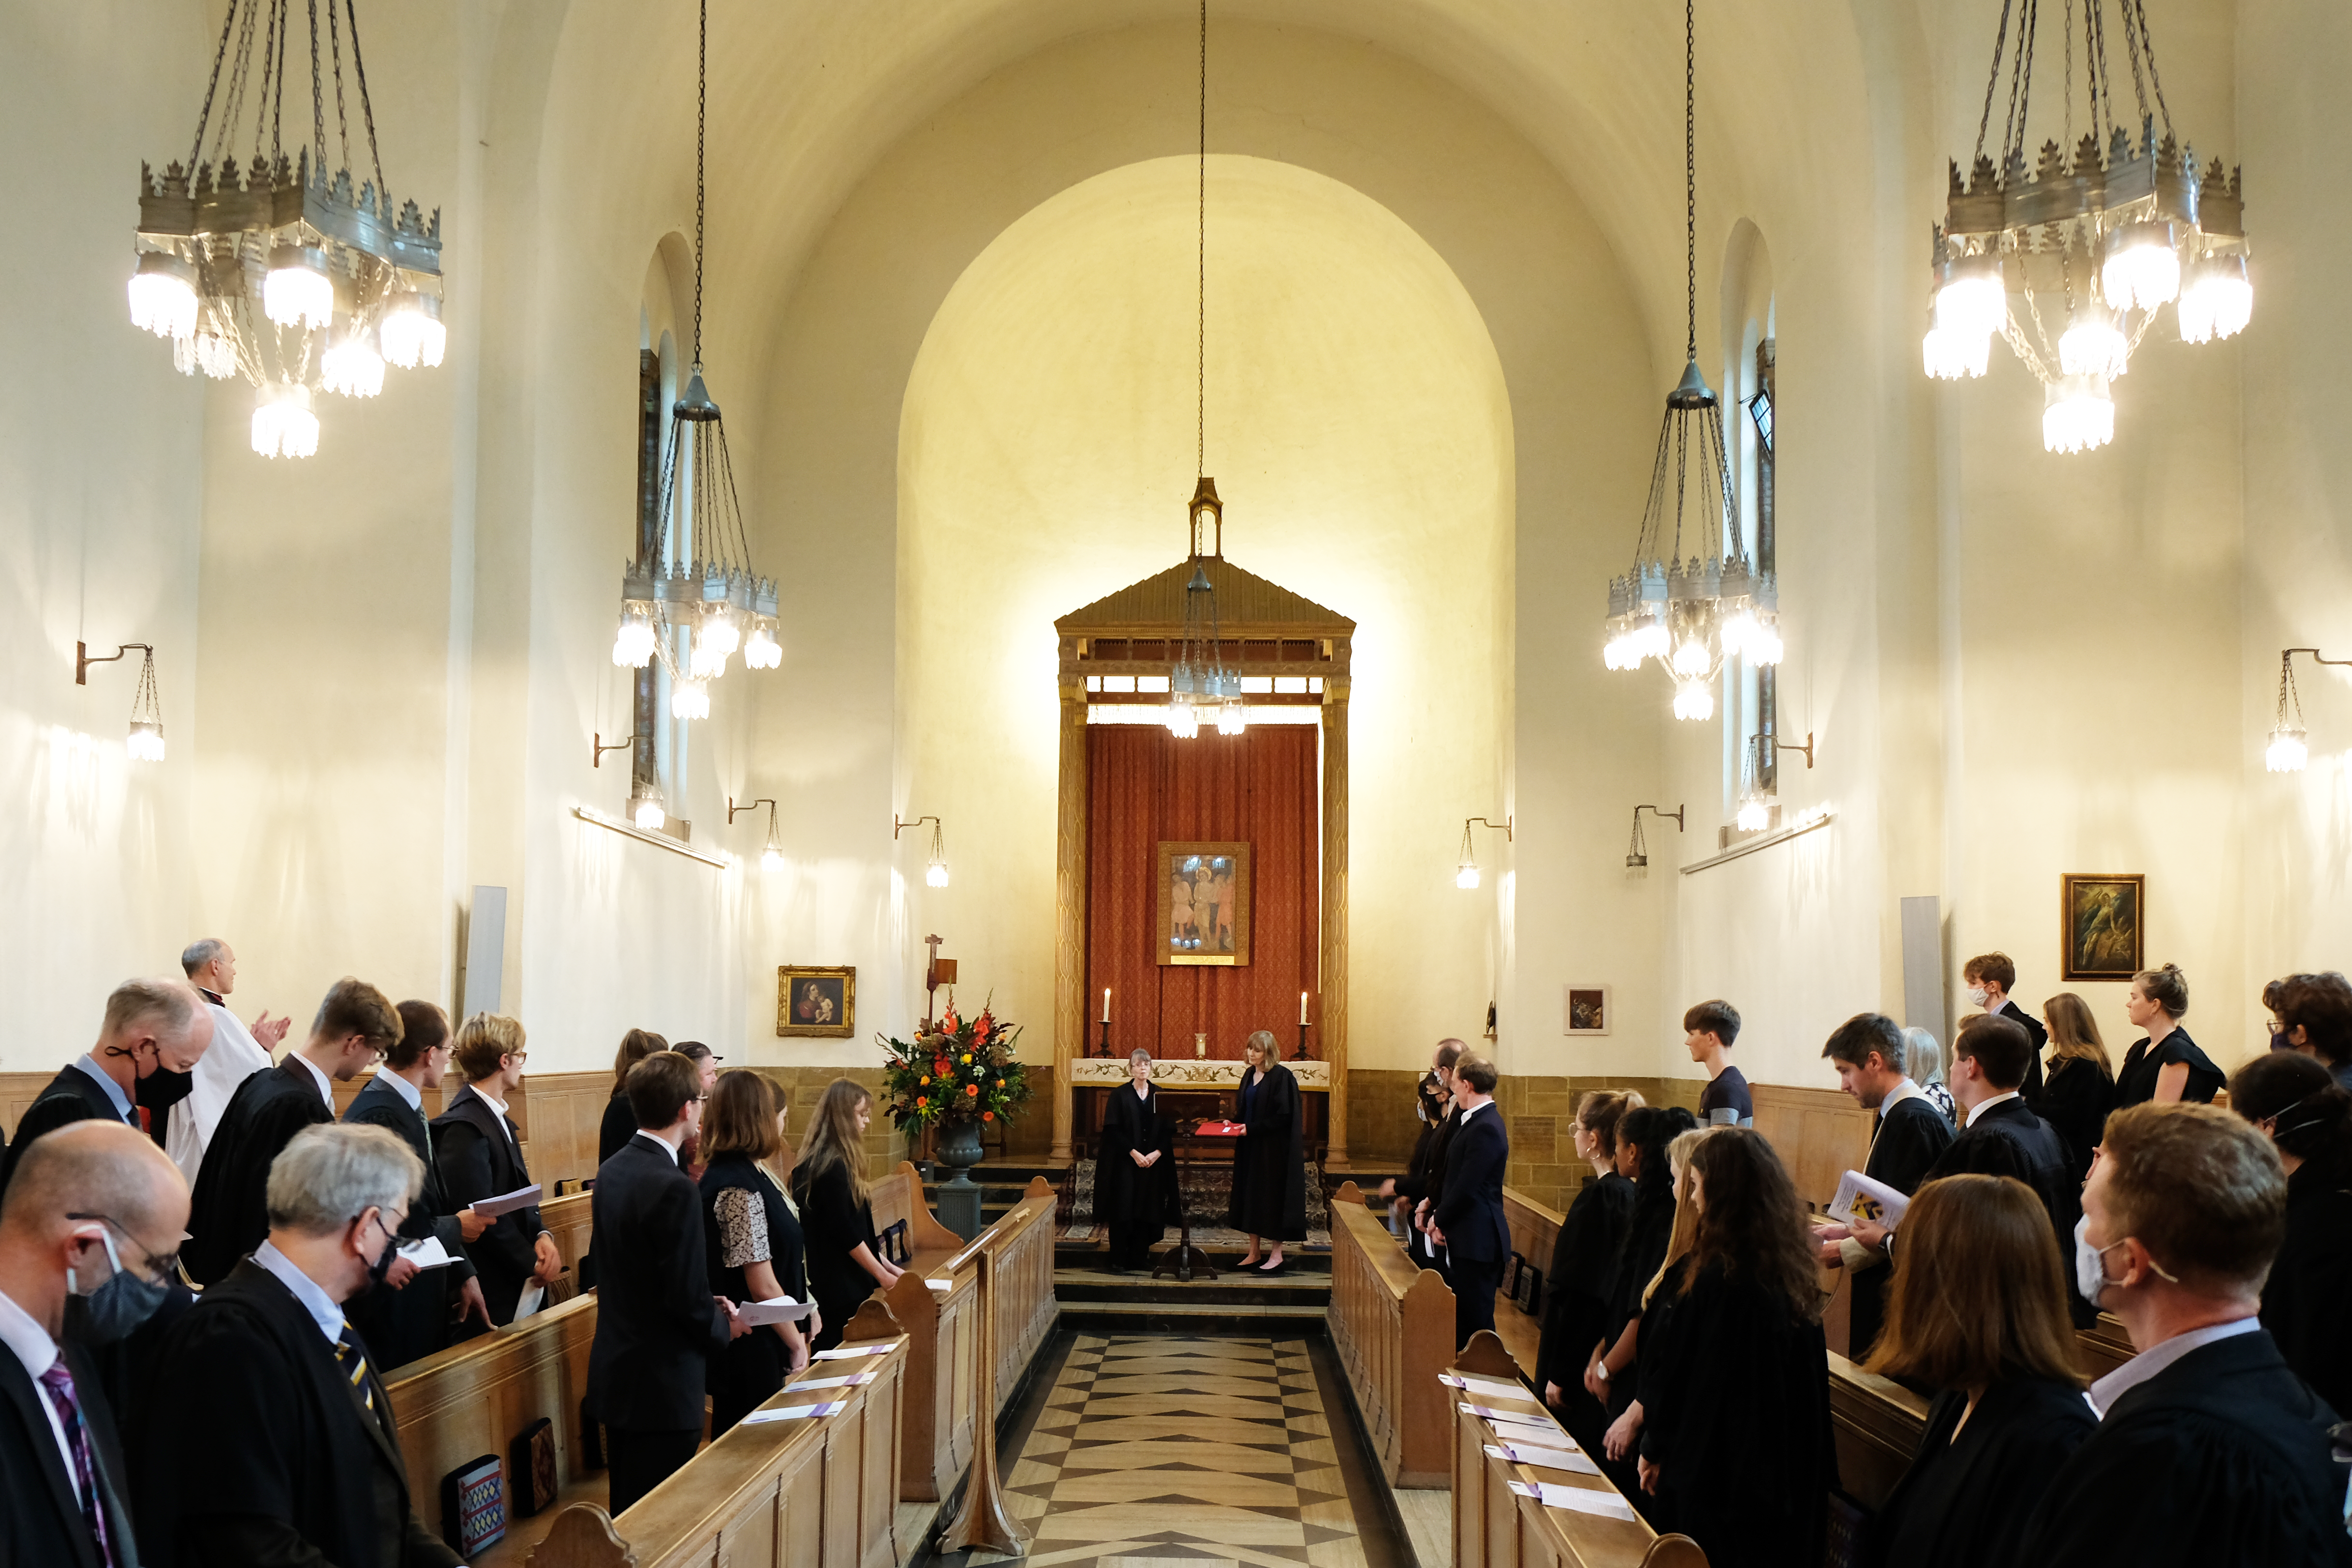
x: 1877, y: 1424
x: 811, y: 1493
x: 935, y: 1303
x: 476, y: 1398
x: 1819, y: 1133
x: 569, y: 1220
x: 1392, y: 1324
x: 1534, y: 1228
x: 1495, y: 1527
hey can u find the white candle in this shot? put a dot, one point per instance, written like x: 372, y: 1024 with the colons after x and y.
x: 1105, y: 1017
x: 1302, y: 1007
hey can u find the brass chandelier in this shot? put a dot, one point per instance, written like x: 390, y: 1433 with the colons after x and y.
x: 2091, y: 239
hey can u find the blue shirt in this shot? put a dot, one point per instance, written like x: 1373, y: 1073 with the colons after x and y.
x: 120, y: 1100
x: 324, y: 1310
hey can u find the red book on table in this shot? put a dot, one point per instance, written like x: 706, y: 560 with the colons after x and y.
x: 1219, y: 1130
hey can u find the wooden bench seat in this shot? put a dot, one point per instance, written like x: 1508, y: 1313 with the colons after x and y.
x: 1391, y: 1326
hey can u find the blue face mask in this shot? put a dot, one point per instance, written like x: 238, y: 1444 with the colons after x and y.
x: 116, y: 1309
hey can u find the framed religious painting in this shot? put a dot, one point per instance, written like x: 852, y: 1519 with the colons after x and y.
x: 2101, y: 922
x: 1586, y: 1009
x: 1204, y: 903
x: 816, y: 1003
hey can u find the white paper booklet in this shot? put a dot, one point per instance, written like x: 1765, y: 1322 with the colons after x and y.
x: 428, y: 1253
x: 782, y: 1309
x: 1859, y: 1198
x: 507, y: 1203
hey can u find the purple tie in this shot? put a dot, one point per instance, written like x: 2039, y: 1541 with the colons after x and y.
x: 58, y: 1384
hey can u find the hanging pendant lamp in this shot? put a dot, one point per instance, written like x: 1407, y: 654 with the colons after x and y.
x: 1691, y: 614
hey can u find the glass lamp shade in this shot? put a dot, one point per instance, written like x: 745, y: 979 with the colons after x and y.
x: 1762, y: 644
x: 1467, y: 876
x: 646, y: 809
x: 1951, y: 354
x: 298, y: 292
x: 351, y: 367
x: 690, y: 699
x: 164, y: 296
x: 2141, y: 267
x: 1232, y: 717
x: 1183, y: 723
x: 146, y: 741
x: 2093, y: 345
x: 1692, y: 658
x: 283, y: 425
x: 2077, y: 415
x: 412, y: 333
x: 2217, y: 301
x: 1973, y: 299
x: 633, y: 645
x: 771, y: 858
x: 760, y: 649
x: 1694, y: 698
x: 1755, y: 814
x: 2288, y: 752
x: 936, y: 874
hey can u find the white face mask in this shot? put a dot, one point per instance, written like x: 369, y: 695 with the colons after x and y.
x: 1978, y: 996
x: 2090, y: 1264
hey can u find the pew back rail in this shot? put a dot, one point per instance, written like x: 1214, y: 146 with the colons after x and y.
x: 1392, y: 1324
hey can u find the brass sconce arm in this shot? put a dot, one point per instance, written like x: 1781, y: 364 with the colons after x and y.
x: 84, y: 658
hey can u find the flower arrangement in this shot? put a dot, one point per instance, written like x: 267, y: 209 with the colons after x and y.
x: 965, y: 1071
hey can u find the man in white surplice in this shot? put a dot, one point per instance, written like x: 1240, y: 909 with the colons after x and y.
x: 235, y: 1055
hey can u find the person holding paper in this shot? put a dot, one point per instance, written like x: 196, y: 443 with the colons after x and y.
x: 829, y: 1185
x: 1134, y: 1169
x: 412, y: 1317
x: 1907, y: 1137
x: 751, y: 1241
x: 479, y: 1150
x: 658, y: 1323
x: 1977, y: 1313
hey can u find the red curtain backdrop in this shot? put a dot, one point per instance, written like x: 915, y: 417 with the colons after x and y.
x: 1259, y: 788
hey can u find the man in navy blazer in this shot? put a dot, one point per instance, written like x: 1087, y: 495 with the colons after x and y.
x: 1468, y: 1219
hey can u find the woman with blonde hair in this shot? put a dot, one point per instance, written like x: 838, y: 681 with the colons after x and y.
x: 1651, y: 1343
x: 751, y: 1241
x: 1269, y: 1196
x: 479, y: 1149
x: 829, y: 1186
x: 1978, y: 1310
x: 2167, y: 1067
x: 2080, y: 1087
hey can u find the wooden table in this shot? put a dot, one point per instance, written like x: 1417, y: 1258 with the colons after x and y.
x: 1184, y: 1260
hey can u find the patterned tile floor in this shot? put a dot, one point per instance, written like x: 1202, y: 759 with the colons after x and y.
x: 1160, y: 1451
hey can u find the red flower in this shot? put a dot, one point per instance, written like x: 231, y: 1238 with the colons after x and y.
x: 940, y: 1064
x: 988, y: 1115
x: 972, y: 1089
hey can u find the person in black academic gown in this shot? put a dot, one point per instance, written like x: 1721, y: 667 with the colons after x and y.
x: 1990, y: 977
x: 2209, y: 1449
x: 2296, y: 1100
x: 828, y: 1183
x: 2167, y: 1065
x: 1641, y: 1140
x: 1429, y: 1106
x: 751, y: 1243
x: 1908, y: 1135
x: 1736, y: 1437
x: 1431, y: 1187
x: 1653, y: 1345
x: 1977, y: 1313
x: 479, y: 1150
x: 2080, y: 1089
x: 1576, y: 1286
x: 154, y: 1034
x: 230, y: 1215
x: 1135, y: 1168
x: 1269, y: 1197
x: 619, y: 1124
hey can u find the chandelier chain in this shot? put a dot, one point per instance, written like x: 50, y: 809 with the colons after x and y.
x: 702, y: 120
x: 2096, y: 68
x: 1201, y: 315
x: 2137, y: 12
x: 317, y: 92
x: 1690, y: 186
x: 273, y: 80
x: 204, y: 115
x: 335, y: 57
x: 2020, y: 82
x: 367, y: 108
x: 1992, y: 82
x: 2067, y: 84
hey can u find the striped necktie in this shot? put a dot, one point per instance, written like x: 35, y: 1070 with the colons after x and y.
x: 58, y: 1384
x: 353, y: 1361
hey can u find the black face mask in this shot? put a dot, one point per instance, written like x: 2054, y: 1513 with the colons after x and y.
x: 2279, y: 1041
x: 162, y: 1089
x: 382, y: 1265
x: 116, y: 1309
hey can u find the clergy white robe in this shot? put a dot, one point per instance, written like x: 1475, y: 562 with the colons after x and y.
x: 233, y: 1057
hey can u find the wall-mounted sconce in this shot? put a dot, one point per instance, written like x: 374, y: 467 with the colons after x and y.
x: 772, y: 857
x: 936, y: 873
x: 597, y: 739
x: 645, y: 808
x: 2288, y: 751
x: 1466, y: 875
x: 1762, y: 793
x: 145, y: 741
x: 1637, y: 853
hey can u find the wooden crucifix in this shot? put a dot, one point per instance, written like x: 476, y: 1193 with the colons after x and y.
x: 937, y: 973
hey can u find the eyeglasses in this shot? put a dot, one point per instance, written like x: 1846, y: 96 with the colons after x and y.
x: 163, y: 1264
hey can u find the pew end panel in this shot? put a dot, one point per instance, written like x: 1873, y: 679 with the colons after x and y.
x: 571, y: 1221
x: 1392, y: 1324
x: 1876, y: 1423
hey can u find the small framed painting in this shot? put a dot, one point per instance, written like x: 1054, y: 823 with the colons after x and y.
x: 2102, y: 922
x: 816, y: 1003
x: 1204, y: 904
x: 1586, y: 1009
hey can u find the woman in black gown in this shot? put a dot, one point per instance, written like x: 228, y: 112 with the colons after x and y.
x: 751, y: 1241
x: 2080, y: 1089
x: 1736, y: 1418
x: 2296, y: 1100
x: 2168, y: 1066
x: 1135, y: 1168
x: 1978, y: 1310
x: 829, y: 1187
x: 620, y: 1122
x: 1641, y: 1140
x: 1575, y: 1289
x: 1270, y: 1164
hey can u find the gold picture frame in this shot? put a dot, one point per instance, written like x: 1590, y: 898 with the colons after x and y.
x: 1209, y: 924
x: 817, y: 1001
x: 2102, y: 926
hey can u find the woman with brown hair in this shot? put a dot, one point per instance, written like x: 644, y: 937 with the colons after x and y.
x: 751, y: 1241
x: 1736, y: 1418
x: 1978, y: 1311
x: 620, y: 1122
x: 1576, y: 1290
x: 829, y: 1187
x: 2080, y: 1087
x: 2296, y: 1100
x: 1269, y: 1197
x: 2168, y: 1066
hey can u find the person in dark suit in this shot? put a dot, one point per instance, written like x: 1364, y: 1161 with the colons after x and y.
x: 1977, y: 1313
x: 151, y: 1027
x: 413, y: 1316
x: 657, y: 1324
x: 1269, y: 1191
x: 2210, y: 1448
x: 1990, y: 977
x: 1469, y: 1221
x: 1135, y: 1168
x: 828, y: 1183
x: 300, y: 1460
x: 356, y: 1024
x: 1907, y: 1137
x: 2308, y: 1116
x: 479, y: 1150
x: 74, y: 1234
x: 1431, y: 1186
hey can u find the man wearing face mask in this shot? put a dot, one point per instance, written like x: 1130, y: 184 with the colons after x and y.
x: 78, y: 1230
x: 152, y: 1029
x: 2209, y: 1449
x: 299, y: 1462
x: 1989, y: 976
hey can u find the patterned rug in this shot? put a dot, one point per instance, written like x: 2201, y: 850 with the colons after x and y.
x: 1208, y: 1191
x: 1173, y: 1452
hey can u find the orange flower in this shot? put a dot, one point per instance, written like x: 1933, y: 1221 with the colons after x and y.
x: 922, y: 1100
x: 972, y: 1089
x: 988, y: 1115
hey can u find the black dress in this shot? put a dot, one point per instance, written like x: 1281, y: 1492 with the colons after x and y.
x: 746, y: 1220
x: 1648, y: 1230
x: 2311, y: 1282
x: 1655, y: 1353
x: 619, y: 1125
x: 1576, y: 1299
x: 1135, y: 1203
x: 1963, y: 1503
x: 2143, y: 1064
x: 2075, y: 1099
x: 833, y: 1225
x: 1737, y: 1417
x: 1270, y: 1163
